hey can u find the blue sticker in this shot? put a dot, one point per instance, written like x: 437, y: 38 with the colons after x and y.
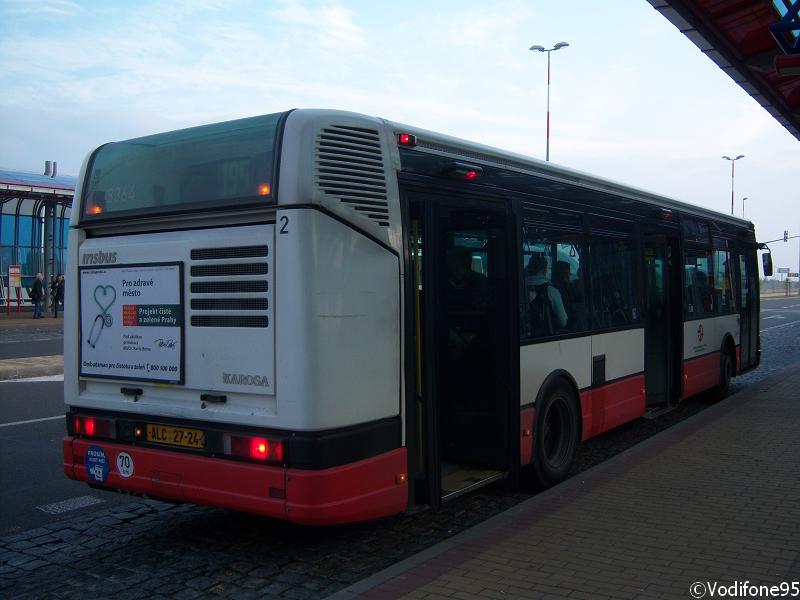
x: 96, y: 464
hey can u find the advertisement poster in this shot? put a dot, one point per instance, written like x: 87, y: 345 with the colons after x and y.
x: 132, y: 322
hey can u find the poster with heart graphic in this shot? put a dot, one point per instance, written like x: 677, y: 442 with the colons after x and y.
x: 132, y: 322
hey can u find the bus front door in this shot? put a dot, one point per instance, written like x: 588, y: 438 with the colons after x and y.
x: 465, y: 356
x: 663, y: 322
x: 748, y: 312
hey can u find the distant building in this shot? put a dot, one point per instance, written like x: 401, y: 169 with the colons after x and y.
x: 34, y: 218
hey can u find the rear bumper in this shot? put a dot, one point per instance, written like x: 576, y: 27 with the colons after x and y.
x: 366, y: 489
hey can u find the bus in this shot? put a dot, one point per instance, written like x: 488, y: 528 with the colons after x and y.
x: 326, y: 317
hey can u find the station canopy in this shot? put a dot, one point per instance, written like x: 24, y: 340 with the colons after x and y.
x: 754, y: 41
x: 24, y: 185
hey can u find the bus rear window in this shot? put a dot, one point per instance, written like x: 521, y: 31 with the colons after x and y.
x: 201, y: 168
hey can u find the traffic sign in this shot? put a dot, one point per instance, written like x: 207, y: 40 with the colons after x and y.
x: 783, y: 269
x: 793, y: 275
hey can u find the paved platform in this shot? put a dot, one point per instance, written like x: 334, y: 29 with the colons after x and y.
x: 712, y: 500
x: 21, y: 324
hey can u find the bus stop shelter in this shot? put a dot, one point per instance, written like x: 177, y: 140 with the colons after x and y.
x: 34, y: 217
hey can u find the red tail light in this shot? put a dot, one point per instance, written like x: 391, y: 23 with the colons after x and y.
x: 95, y: 427
x: 257, y: 448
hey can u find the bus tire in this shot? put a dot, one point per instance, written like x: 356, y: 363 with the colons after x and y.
x: 725, y: 374
x: 556, y: 435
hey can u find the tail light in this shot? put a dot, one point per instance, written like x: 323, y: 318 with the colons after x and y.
x: 254, y: 447
x: 94, y: 427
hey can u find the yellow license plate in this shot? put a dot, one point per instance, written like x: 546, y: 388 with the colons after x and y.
x: 175, y: 436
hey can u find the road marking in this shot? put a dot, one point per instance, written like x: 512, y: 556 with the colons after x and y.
x: 780, y: 326
x: 56, y: 508
x: 773, y: 317
x: 34, y: 379
x: 32, y: 421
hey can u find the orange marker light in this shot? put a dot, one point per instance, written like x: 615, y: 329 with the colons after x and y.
x: 401, y: 478
x: 264, y: 189
x: 94, y: 209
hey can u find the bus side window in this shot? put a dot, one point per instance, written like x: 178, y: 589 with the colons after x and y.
x: 613, y: 298
x: 724, y: 299
x: 697, y: 290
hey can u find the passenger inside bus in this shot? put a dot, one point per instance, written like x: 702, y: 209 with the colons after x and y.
x: 548, y: 315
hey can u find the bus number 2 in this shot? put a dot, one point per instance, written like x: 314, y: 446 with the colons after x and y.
x: 284, y: 222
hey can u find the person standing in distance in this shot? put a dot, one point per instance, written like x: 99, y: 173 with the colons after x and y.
x: 37, y: 295
x: 57, y: 291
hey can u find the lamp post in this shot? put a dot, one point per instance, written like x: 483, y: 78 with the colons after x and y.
x: 558, y: 46
x: 743, y: 201
x: 733, y: 162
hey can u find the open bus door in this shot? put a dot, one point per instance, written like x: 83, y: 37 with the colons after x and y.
x: 462, y: 294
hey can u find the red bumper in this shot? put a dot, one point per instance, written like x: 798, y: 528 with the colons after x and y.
x: 366, y: 489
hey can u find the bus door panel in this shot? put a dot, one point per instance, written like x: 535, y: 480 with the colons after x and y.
x: 662, y: 320
x: 748, y: 311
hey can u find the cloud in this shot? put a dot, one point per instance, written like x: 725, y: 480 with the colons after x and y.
x: 60, y: 8
x: 330, y: 26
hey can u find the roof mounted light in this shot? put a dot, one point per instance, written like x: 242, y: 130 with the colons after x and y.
x: 465, y: 172
x: 407, y: 140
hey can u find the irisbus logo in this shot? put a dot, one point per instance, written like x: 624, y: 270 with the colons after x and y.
x: 243, y: 379
x: 99, y: 258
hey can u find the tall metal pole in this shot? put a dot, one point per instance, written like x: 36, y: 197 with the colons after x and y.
x: 733, y: 160
x: 547, y: 150
x: 538, y: 48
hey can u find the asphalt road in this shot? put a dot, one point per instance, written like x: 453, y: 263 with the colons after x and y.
x: 22, y: 344
x: 31, y: 479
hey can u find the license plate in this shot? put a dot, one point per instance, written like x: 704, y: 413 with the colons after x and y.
x: 175, y: 436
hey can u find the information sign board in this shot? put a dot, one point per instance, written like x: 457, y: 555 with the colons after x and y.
x: 132, y: 322
x: 14, y: 276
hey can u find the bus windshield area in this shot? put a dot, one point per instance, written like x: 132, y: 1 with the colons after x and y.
x: 191, y: 169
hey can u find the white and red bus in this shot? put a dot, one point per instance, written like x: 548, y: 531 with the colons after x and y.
x: 327, y: 317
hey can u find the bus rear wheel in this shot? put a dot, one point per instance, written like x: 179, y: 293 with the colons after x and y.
x: 556, y: 436
x: 725, y: 374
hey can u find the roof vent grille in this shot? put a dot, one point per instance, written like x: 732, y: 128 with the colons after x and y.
x: 349, y: 167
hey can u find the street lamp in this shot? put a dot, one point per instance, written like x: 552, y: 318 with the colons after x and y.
x: 558, y: 46
x: 743, y: 201
x: 733, y: 162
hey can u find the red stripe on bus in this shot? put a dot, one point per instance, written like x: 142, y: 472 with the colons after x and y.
x: 738, y: 360
x: 611, y: 405
x: 186, y: 477
x: 366, y: 489
x: 526, y: 435
x: 700, y: 374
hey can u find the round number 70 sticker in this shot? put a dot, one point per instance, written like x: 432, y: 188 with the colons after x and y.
x: 124, y: 464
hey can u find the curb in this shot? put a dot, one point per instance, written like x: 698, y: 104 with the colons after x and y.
x: 23, y: 368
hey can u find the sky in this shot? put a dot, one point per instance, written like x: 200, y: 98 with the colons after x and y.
x: 631, y: 98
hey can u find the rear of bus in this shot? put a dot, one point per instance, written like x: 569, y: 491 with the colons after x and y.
x: 228, y: 344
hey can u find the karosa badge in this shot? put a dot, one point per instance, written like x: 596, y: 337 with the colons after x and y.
x: 243, y: 379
